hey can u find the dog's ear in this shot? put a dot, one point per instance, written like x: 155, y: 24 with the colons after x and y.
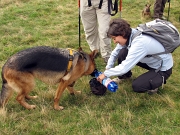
x: 93, y: 54
x: 80, y: 49
x: 148, y: 5
x: 80, y: 52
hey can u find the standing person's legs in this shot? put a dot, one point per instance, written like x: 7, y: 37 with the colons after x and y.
x: 103, y: 20
x: 89, y: 20
x: 157, y: 8
x: 162, y: 8
x: 150, y: 80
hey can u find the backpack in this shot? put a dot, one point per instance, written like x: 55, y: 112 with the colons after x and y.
x: 97, y: 88
x: 164, y: 32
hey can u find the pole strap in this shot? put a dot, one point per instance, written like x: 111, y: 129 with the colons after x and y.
x: 100, y: 4
x: 89, y: 3
x: 112, y: 7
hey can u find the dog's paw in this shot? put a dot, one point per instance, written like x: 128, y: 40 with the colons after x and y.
x: 34, y: 97
x: 58, y: 107
x: 32, y: 107
x: 31, y: 97
x: 78, y: 92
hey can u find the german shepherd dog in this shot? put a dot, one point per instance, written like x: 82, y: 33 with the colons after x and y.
x: 146, y: 10
x: 48, y: 64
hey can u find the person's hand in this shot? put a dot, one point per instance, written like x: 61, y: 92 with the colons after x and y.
x: 101, y: 77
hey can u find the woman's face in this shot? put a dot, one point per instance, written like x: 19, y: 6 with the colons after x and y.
x: 119, y: 39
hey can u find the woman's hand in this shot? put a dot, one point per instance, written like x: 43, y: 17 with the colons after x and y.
x: 101, y: 77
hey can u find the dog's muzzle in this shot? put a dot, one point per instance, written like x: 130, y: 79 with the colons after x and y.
x: 93, y: 73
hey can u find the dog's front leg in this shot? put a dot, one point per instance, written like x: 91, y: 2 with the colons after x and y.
x: 59, y: 91
x: 71, y: 89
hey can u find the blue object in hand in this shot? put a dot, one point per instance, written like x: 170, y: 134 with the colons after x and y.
x: 107, y: 82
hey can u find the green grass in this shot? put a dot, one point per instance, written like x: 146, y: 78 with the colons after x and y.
x: 26, y: 23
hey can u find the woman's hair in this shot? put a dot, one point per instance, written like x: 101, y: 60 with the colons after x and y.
x: 119, y: 27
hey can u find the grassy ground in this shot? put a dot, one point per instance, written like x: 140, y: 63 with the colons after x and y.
x: 26, y: 23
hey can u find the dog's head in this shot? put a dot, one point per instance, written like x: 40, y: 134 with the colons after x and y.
x: 92, y: 66
x: 89, y: 60
x: 147, y: 8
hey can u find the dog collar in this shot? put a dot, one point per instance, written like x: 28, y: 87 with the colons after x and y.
x: 70, y: 59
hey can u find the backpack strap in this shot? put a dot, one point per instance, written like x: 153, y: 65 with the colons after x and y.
x: 136, y: 34
x: 111, y: 7
x: 100, y: 4
x: 151, y: 55
x: 159, y: 53
x: 157, y: 57
x: 139, y: 33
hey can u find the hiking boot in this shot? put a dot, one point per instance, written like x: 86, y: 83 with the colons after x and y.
x: 117, y: 80
x: 151, y: 92
x: 163, y: 18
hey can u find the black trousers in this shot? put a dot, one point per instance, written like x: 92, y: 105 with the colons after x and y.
x: 147, y: 81
x: 159, y: 6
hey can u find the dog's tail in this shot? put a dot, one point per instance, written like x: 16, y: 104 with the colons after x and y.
x: 5, y: 91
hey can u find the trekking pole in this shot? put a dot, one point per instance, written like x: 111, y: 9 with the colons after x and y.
x: 120, y: 7
x: 168, y: 10
x: 79, y: 26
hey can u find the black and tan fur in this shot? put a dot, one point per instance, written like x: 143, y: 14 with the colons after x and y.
x: 47, y: 64
x: 146, y: 11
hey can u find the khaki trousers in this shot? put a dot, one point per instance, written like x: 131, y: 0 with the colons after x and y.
x: 96, y: 24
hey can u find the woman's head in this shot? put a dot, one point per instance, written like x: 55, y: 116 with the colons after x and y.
x: 119, y: 27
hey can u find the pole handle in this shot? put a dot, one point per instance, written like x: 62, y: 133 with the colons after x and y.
x: 79, y: 3
x: 120, y: 5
